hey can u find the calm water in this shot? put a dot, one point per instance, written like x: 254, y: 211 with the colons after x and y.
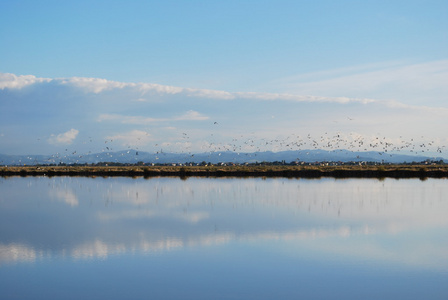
x: 226, y: 238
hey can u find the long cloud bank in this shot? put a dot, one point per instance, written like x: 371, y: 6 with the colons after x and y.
x: 47, y: 115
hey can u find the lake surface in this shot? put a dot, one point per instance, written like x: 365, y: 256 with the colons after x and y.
x: 223, y: 238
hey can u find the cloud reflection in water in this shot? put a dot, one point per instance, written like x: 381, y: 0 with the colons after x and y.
x: 389, y: 221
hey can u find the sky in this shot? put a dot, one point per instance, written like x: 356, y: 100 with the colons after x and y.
x: 198, y: 76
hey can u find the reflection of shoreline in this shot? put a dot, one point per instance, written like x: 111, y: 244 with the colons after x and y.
x: 346, y: 171
x: 320, y: 241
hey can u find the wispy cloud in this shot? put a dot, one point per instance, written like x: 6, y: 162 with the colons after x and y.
x: 299, y: 98
x: 132, y: 138
x: 128, y: 119
x: 408, y: 83
x: 190, y: 115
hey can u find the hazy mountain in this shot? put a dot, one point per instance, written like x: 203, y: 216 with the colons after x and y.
x: 134, y: 156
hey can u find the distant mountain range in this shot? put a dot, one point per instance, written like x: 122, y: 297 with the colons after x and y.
x: 134, y: 156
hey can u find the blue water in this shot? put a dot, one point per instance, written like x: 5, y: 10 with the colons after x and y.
x: 226, y: 238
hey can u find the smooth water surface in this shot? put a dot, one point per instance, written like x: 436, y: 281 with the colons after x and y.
x: 223, y: 238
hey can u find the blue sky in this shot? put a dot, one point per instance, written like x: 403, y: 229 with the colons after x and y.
x: 211, y: 75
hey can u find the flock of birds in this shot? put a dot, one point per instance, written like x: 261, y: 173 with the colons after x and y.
x: 249, y: 144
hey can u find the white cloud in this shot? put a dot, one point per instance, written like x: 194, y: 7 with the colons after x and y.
x: 192, y: 115
x: 64, y: 138
x: 161, y: 89
x: 202, y: 93
x: 12, y: 81
x: 99, y: 85
x: 94, y: 85
x: 189, y: 92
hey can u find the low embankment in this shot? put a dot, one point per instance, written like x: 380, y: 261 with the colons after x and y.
x: 366, y: 171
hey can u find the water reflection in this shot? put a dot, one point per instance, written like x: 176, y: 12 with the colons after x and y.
x: 389, y: 221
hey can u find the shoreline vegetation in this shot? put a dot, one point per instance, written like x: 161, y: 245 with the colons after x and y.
x: 348, y: 171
